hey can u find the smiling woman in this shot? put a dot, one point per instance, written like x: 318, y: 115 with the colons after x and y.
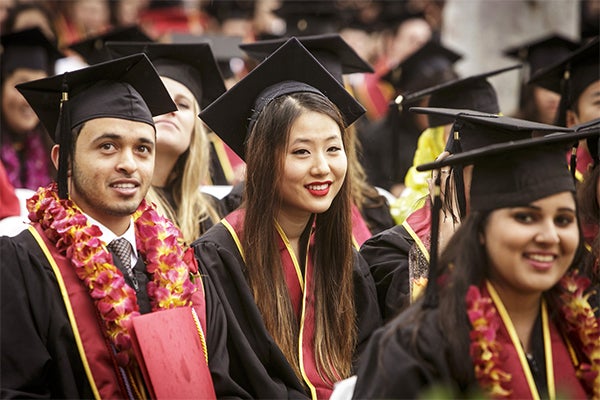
x: 510, y: 290
x: 301, y: 301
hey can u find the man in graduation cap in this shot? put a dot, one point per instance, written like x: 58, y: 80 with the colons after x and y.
x: 25, y: 55
x: 577, y: 79
x: 96, y: 256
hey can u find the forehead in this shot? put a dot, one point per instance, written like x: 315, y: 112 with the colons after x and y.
x: 314, y: 125
x: 122, y: 128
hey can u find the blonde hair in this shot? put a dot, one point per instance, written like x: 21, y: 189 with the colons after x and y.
x: 191, y: 170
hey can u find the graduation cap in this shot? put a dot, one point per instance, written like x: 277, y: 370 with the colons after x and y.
x: 290, y: 69
x: 312, y: 17
x: 330, y: 50
x: 93, y: 50
x: 395, y: 13
x: 193, y: 65
x: 542, y: 51
x: 472, y: 93
x: 28, y: 48
x: 473, y: 129
x: 225, y: 49
x: 127, y: 88
x: 571, y: 76
x: 509, y: 174
x: 223, y: 10
x: 432, y: 64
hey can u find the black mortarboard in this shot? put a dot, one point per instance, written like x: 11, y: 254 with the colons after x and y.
x: 28, y: 48
x: 93, y: 50
x: 127, y: 88
x: 432, y: 64
x: 309, y: 17
x: 223, y: 10
x: 290, y: 69
x: 509, y: 175
x: 193, y: 65
x: 571, y: 76
x: 330, y: 50
x: 542, y: 51
x: 472, y: 93
x: 395, y: 13
x: 225, y: 49
x: 473, y: 129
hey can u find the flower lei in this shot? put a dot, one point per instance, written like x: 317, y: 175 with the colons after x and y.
x: 583, y: 326
x: 157, y: 239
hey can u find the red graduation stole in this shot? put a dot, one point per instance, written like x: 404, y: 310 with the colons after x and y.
x: 97, y: 355
x: 418, y: 226
x: 560, y: 372
x: 303, y: 302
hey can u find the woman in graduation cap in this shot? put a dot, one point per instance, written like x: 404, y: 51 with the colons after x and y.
x: 509, y: 291
x: 26, y: 55
x: 299, y: 301
x: 191, y: 75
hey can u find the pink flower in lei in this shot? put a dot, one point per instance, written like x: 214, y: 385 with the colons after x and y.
x: 157, y: 239
x: 582, y: 326
x: 37, y: 162
x: 484, y: 349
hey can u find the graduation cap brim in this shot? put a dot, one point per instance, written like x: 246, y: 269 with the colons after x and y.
x: 44, y: 95
x: 224, y: 48
x: 229, y: 115
x: 454, y: 84
x: 33, y: 38
x: 551, y: 77
x: 330, y: 44
x: 474, y: 156
x: 93, y: 50
x: 492, y: 120
x: 199, y: 56
x: 551, y: 41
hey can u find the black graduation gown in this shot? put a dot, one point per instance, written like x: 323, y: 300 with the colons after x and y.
x: 387, y: 254
x: 39, y: 357
x: 391, y: 355
x: 256, y: 362
x: 388, y: 148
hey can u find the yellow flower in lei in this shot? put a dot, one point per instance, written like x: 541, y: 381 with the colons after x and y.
x: 158, y: 240
x: 584, y: 327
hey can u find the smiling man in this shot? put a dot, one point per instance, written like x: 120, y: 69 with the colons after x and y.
x: 96, y: 255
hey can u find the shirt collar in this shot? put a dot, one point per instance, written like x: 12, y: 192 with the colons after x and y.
x: 108, y: 235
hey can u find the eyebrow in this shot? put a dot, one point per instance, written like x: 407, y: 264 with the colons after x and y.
x: 115, y: 136
x: 304, y: 140
x: 562, y: 209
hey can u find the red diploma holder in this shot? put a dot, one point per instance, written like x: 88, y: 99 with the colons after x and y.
x: 170, y: 348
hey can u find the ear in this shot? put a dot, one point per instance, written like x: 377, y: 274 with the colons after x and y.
x: 54, y: 155
x: 572, y: 118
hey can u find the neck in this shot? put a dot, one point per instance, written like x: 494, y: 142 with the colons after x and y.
x: 293, y: 226
x: 523, y: 310
x: 163, y: 165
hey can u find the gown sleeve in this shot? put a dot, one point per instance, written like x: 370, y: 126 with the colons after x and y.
x: 387, y: 256
x: 39, y: 358
x: 399, y: 364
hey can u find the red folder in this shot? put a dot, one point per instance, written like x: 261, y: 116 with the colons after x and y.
x: 169, y: 348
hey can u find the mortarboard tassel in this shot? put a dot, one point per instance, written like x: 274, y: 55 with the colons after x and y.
x: 457, y: 173
x: 63, y: 137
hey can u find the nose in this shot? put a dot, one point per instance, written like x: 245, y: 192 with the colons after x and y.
x: 547, y: 233
x: 320, y: 165
x: 126, y: 163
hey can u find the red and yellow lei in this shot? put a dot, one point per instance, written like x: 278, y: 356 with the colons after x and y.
x: 158, y: 240
x: 583, y: 327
